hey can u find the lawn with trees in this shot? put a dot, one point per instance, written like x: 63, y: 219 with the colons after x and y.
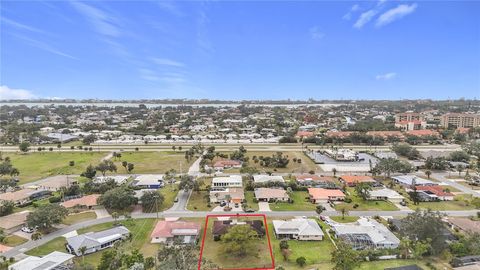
x: 153, y: 162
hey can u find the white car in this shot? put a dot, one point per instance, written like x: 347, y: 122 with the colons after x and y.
x: 27, y: 229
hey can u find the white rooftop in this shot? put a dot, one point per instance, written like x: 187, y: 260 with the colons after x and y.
x: 267, y: 178
x: 47, y: 262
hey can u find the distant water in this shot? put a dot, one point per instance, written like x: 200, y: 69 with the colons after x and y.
x: 154, y: 105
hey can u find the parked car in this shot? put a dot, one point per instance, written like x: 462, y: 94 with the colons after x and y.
x: 176, y: 199
x: 26, y: 229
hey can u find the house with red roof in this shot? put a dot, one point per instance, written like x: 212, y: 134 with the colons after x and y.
x: 226, y: 164
x: 353, y: 180
x: 302, y: 133
x: 423, y: 133
x: 339, y: 134
x: 182, y: 232
x: 434, y: 193
x: 322, y: 195
x: 88, y: 201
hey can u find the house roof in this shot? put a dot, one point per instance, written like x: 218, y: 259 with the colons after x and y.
x: 13, y: 220
x: 267, y: 178
x: 324, y: 194
x: 314, y: 177
x: 300, y: 226
x: 220, y: 227
x: 437, y: 190
x: 47, y: 262
x: 270, y: 193
x: 339, y: 134
x: 89, y: 200
x: 226, y: 162
x: 349, y: 179
x: 229, y: 179
x: 385, y: 192
x: 408, y: 179
x: 423, y: 132
x: 148, y: 179
x: 93, y: 239
x: 166, y: 229
x: 465, y: 224
x: 305, y: 133
x: 19, y: 194
x: 377, y: 232
x: 385, y: 134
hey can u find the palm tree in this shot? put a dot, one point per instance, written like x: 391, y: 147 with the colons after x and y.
x: 460, y: 169
x: 334, y: 171
x: 428, y: 173
x: 83, y: 250
x: 344, y: 211
x: 115, y: 216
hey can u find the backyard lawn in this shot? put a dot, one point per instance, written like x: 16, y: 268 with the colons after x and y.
x: 197, y: 202
x: 300, y: 203
x: 140, y: 229
x: 14, y: 240
x: 380, y: 265
x: 346, y: 219
x: 213, y: 251
x: 154, y: 162
x: 76, y: 218
x: 317, y: 253
x: 35, y: 166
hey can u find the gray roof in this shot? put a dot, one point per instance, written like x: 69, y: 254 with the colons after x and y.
x: 93, y: 239
x: 378, y: 233
x: 407, y: 180
x: 298, y: 226
x: 47, y: 262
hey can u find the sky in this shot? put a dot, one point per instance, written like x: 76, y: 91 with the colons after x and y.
x: 239, y: 50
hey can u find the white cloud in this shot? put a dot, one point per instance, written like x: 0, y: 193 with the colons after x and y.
x: 167, y: 62
x: 395, y: 14
x: 364, y: 18
x: 22, y: 26
x: 7, y: 93
x: 352, y: 10
x: 315, y: 33
x: 170, y: 7
x: 148, y: 74
x: 103, y: 22
x: 386, y: 76
x: 44, y: 46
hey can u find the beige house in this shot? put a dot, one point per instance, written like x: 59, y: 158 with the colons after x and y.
x: 271, y: 194
x: 13, y: 222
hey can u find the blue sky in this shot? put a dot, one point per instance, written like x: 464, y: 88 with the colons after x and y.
x: 240, y: 49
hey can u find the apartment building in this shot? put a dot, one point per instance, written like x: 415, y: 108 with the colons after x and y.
x: 460, y: 120
x: 410, y: 121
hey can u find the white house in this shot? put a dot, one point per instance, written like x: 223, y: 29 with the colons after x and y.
x: 259, y: 179
x: 232, y: 181
x: 408, y: 180
x: 53, y: 261
x: 96, y: 241
x: 385, y: 194
x: 148, y: 181
x: 300, y: 229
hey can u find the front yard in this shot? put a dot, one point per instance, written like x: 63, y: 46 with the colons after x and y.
x: 198, y: 202
x: 14, y: 240
x: 305, y: 166
x: 169, y: 193
x: 300, y: 203
x: 80, y: 217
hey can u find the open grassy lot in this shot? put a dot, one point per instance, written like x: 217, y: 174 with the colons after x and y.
x: 293, y: 167
x: 198, y: 202
x: 169, y: 193
x: 317, y: 253
x: 443, y: 205
x: 76, y: 218
x: 140, y: 230
x: 213, y: 251
x: 154, y: 162
x: 300, y: 203
x: 14, y: 240
x: 250, y: 197
x: 35, y: 166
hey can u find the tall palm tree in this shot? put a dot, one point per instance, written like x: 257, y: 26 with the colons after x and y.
x: 428, y: 173
x: 83, y: 250
x: 334, y: 171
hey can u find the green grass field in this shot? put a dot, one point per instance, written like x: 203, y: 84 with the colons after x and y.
x: 346, y: 219
x: 76, y: 218
x: 197, y: 202
x: 249, y: 197
x: 300, y: 203
x: 293, y: 167
x: 317, y: 253
x: 169, y: 193
x: 213, y: 251
x: 14, y: 240
x: 35, y: 166
x: 140, y: 229
x: 154, y: 162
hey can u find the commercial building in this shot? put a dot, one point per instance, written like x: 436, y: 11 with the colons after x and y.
x: 460, y: 120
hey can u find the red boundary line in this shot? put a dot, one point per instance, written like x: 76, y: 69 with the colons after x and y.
x: 237, y: 215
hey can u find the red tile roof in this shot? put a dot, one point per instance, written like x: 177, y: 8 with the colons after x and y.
x: 423, y: 132
x: 324, y: 194
x: 164, y: 228
x: 339, y: 134
x: 305, y: 133
x: 89, y: 200
x: 350, y: 179
x: 437, y: 190
x: 226, y: 162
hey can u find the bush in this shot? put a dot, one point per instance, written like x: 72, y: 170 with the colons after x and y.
x: 54, y: 199
x: 348, y: 200
x: 301, y: 261
x: 355, y: 205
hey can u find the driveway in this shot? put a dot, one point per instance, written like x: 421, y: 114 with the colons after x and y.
x: 263, y: 206
x: 101, y: 213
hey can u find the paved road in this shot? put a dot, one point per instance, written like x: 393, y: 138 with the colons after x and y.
x: 231, y: 147
x: 442, y: 176
x: 173, y: 213
x: 181, y: 205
